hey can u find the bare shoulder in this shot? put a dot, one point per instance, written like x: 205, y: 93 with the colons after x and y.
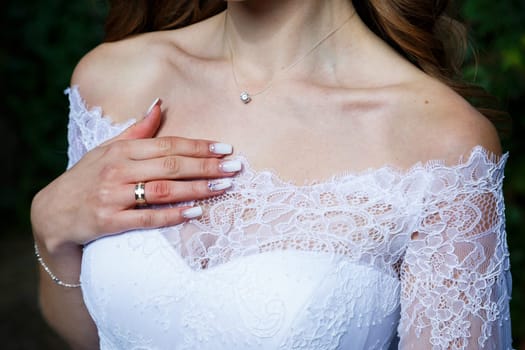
x: 125, y: 76
x: 111, y: 73
x: 438, y: 123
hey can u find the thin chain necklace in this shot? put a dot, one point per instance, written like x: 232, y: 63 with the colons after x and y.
x: 245, y: 96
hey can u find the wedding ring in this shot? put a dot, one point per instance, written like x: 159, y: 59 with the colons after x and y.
x: 140, y: 194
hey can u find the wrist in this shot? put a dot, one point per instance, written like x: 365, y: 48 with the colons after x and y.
x: 60, y: 262
x: 47, y: 229
x: 50, y: 272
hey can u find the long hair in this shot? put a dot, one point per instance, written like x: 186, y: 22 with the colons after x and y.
x: 420, y: 30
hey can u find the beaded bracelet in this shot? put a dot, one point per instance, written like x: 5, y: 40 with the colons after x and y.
x: 51, y: 274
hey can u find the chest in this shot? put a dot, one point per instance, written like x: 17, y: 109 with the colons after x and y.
x: 302, y: 137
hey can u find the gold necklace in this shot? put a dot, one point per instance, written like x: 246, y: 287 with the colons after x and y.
x: 245, y: 96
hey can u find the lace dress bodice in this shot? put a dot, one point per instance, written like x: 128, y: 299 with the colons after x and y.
x: 385, y: 258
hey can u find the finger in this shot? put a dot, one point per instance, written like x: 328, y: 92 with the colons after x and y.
x: 151, y: 218
x: 173, y: 145
x: 182, y: 168
x: 165, y: 192
x: 145, y: 128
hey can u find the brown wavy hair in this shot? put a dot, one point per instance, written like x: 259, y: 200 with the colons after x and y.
x: 423, y: 31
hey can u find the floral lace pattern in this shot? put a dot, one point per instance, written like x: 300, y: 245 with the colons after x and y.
x: 423, y: 250
x: 354, y: 216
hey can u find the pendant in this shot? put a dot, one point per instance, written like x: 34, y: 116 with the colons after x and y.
x: 245, y: 97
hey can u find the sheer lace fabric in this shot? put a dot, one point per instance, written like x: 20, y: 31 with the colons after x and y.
x: 336, y: 264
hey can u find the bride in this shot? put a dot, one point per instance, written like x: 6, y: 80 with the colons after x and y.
x: 361, y: 207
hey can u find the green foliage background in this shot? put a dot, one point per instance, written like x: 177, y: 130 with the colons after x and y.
x: 43, y: 40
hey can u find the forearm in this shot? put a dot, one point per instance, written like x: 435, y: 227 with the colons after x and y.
x: 64, y: 308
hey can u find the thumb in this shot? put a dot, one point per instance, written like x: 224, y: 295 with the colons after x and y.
x: 147, y: 127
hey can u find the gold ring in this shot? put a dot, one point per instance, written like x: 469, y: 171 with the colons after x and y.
x: 140, y: 194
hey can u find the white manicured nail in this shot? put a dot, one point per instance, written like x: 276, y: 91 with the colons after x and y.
x: 192, y: 213
x: 156, y: 102
x: 230, y: 166
x: 219, y: 184
x: 221, y: 148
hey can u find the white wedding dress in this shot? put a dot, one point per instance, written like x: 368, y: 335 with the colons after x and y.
x: 329, y: 265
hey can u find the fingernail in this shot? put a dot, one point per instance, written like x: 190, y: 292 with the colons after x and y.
x: 221, y: 148
x: 219, y: 184
x: 156, y: 102
x: 192, y: 213
x: 230, y: 166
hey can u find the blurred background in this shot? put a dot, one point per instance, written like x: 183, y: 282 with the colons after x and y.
x: 41, y: 43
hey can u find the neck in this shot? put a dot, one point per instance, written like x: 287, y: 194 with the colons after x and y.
x: 268, y: 36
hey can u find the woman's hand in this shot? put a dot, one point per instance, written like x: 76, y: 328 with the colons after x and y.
x: 96, y: 197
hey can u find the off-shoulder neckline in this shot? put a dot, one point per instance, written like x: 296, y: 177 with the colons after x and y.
x: 477, y: 152
x: 495, y: 162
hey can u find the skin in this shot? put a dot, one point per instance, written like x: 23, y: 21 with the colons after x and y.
x: 350, y: 105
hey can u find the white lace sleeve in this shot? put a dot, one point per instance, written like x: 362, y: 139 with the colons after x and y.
x: 456, y: 282
x: 87, y: 128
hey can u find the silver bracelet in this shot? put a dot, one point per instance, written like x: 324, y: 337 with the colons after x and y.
x: 51, y: 274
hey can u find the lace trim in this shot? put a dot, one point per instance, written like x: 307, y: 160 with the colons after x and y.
x: 88, y: 128
x: 79, y: 105
x: 477, y: 153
